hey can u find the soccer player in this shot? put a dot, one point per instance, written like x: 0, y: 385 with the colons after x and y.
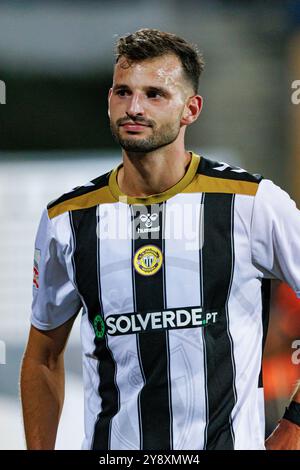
x: 169, y: 257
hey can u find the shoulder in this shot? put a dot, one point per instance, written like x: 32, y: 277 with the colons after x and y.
x: 220, y: 177
x: 273, y: 197
x: 82, y: 197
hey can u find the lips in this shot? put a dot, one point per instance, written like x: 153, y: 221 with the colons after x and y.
x: 133, y: 127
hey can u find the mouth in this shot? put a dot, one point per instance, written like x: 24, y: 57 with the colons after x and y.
x: 134, y: 127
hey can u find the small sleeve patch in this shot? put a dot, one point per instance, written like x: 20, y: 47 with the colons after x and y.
x: 36, y: 262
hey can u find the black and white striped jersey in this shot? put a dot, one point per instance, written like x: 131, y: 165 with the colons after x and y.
x: 174, y: 293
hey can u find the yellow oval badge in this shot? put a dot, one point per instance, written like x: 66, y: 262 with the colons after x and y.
x: 148, y: 260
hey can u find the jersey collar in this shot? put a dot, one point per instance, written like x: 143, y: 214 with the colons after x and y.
x: 154, y: 198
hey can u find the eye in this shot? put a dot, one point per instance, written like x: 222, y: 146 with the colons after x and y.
x: 121, y: 92
x: 153, y: 94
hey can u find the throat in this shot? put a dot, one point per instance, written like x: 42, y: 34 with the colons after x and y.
x: 146, y: 178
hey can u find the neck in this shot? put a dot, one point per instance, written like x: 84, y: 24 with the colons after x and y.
x: 152, y: 173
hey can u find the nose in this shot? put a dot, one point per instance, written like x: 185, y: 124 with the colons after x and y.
x: 135, y: 106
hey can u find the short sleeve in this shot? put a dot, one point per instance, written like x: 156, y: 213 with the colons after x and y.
x: 55, y: 297
x: 275, y: 234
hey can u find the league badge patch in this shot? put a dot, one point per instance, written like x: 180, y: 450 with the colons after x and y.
x: 148, y: 260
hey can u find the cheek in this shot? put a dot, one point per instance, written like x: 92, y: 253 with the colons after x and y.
x: 173, y: 112
x: 115, y: 111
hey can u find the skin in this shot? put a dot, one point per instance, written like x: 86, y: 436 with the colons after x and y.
x: 286, y: 435
x: 42, y: 385
x: 155, y: 93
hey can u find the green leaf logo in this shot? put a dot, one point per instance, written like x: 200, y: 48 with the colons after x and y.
x: 99, y: 326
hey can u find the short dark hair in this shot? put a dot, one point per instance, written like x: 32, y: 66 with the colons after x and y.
x: 150, y: 43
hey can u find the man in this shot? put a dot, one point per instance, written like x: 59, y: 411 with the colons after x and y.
x: 170, y: 257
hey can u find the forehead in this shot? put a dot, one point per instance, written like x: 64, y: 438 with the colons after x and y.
x: 161, y: 71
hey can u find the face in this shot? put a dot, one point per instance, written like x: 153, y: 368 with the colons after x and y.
x: 147, y: 102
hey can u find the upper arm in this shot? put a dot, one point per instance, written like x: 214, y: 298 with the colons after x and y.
x: 56, y: 301
x: 55, y: 296
x: 275, y: 235
x: 47, y: 347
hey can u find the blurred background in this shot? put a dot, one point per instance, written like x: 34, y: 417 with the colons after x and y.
x: 56, y: 60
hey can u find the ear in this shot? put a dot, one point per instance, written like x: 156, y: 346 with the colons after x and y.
x: 192, y: 110
x: 108, y: 101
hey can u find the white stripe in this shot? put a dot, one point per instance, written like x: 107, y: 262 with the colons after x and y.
x: 92, y: 400
x: 117, y: 297
x: 232, y: 244
x: 244, y: 310
x: 167, y: 333
x: 137, y: 336
x: 186, y: 345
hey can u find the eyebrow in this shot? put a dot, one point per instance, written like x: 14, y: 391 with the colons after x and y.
x: 122, y: 86
x: 119, y: 86
x: 158, y: 89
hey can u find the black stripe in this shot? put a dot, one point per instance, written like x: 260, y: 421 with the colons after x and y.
x: 266, y: 297
x: 153, y: 352
x: 86, y: 254
x: 217, y: 261
x: 201, y: 240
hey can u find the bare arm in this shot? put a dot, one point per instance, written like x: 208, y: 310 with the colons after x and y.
x: 42, y: 385
x: 286, y: 435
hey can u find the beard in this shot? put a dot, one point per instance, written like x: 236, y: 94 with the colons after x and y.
x: 161, y: 137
